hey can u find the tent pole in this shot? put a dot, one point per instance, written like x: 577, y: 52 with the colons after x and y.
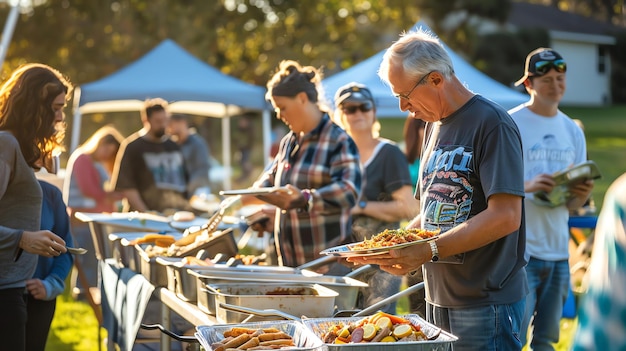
x: 76, y: 121
x: 9, y: 27
x: 226, y: 154
x: 267, y: 138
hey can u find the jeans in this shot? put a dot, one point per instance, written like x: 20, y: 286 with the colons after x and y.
x: 492, y: 327
x: 549, y: 283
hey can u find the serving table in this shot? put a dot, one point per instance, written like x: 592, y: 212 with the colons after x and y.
x: 187, y: 310
x: 125, y: 296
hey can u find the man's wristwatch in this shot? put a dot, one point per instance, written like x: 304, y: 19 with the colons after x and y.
x: 362, y: 204
x: 434, y: 250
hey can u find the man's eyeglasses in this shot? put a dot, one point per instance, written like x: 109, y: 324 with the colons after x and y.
x: 407, y: 96
x: 543, y: 67
x: 364, y: 107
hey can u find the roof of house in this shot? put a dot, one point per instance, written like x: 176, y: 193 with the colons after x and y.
x: 526, y: 15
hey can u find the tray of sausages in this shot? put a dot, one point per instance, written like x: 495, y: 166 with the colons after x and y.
x: 266, y: 335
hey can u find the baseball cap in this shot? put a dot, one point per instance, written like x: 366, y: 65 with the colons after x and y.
x: 540, y: 61
x: 353, y: 92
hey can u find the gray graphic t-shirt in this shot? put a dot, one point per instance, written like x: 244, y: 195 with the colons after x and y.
x: 473, y: 154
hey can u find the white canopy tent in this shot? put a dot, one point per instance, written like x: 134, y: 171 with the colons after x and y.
x: 190, y: 85
x: 387, y: 105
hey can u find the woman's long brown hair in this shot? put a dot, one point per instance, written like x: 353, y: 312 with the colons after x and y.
x: 26, y: 109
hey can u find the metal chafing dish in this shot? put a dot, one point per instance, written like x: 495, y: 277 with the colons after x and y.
x: 184, y: 284
x: 298, y: 299
x: 346, y: 287
x: 442, y: 340
x: 125, y: 252
x: 303, y: 338
x: 219, y: 242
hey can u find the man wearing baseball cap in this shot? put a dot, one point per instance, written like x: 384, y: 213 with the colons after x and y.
x: 551, y: 142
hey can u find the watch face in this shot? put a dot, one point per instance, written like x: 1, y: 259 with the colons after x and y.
x: 362, y: 204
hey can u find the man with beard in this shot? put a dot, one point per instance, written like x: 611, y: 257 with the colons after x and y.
x: 149, y: 169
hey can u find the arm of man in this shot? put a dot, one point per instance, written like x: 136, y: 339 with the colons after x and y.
x: 502, y: 217
x: 134, y: 200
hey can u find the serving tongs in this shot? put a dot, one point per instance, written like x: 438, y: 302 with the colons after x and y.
x: 210, y: 226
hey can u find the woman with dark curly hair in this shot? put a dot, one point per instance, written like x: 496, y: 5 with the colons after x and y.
x: 31, y: 129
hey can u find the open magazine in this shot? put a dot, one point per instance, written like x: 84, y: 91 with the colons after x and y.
x: 565, y: 179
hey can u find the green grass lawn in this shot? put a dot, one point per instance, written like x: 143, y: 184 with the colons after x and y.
x: 74, y: 327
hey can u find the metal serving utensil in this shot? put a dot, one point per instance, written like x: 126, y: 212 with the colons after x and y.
x: 76, y: 250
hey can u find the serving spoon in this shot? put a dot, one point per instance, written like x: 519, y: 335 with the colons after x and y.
x: 76, y: 250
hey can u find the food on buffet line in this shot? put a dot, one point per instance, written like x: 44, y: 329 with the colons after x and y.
x: 194, y: 261
x: 381, y: 327
x: 390, y: 237
x: 160, y: 240
x: 183, y: 216
x: 239, y: 338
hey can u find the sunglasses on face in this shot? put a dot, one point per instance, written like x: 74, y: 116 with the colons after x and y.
x: 543, y: 67
x: 366, y: 107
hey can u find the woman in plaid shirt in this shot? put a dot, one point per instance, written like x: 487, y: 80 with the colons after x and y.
x: 317, y: 166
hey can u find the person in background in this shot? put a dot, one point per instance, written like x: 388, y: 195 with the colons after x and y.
x: 150, y: 168
x: 413, y: 133
x: 85, y: 189
x: 470, y: 188
x: 317, y: 166
x: 31, y: 128
x: 245, y: 142
x: 387, y: 197
x: 48, y: 282
x: 552, y: 142
x: 602, y: 310
x: 195, y: 152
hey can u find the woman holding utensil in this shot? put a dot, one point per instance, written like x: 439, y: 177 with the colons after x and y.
x: 49, y: 279
x: 317, y: 170
x: 31, y: 126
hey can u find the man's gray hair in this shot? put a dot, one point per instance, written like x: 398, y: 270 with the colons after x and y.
x: 419, y: 52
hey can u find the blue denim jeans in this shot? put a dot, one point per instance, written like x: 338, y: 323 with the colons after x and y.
x: 548, y: 282
x: 485, y: 328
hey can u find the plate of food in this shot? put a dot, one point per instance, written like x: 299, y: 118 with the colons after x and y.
x: 383, y: 242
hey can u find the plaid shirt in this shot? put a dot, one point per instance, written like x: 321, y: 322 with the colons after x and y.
x: 326, y: 162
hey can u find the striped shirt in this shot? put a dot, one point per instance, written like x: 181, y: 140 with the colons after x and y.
x: 326, y: 162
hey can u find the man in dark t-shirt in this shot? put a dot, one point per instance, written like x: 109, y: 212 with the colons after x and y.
x: 149, y: 168
x: 470, y: 188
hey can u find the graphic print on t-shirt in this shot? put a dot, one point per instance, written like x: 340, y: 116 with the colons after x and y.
x: 167, y: 170
x: 447, y: 190
x: 548, y: 156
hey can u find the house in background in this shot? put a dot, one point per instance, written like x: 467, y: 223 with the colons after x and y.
x: 584, y: 44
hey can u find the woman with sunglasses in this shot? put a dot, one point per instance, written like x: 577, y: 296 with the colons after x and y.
x: 551, y: 142
x: 387, y: 196
x: 317, y: 168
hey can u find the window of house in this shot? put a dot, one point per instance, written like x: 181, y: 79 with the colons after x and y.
x: 602, y: 57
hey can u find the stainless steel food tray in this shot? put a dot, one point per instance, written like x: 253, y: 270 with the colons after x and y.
x: 304, y: 339
x: 319, y: 326
x: 184, y: 284
x: 220, y: 242
x: 296, y: 299
x: 347, y: 288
